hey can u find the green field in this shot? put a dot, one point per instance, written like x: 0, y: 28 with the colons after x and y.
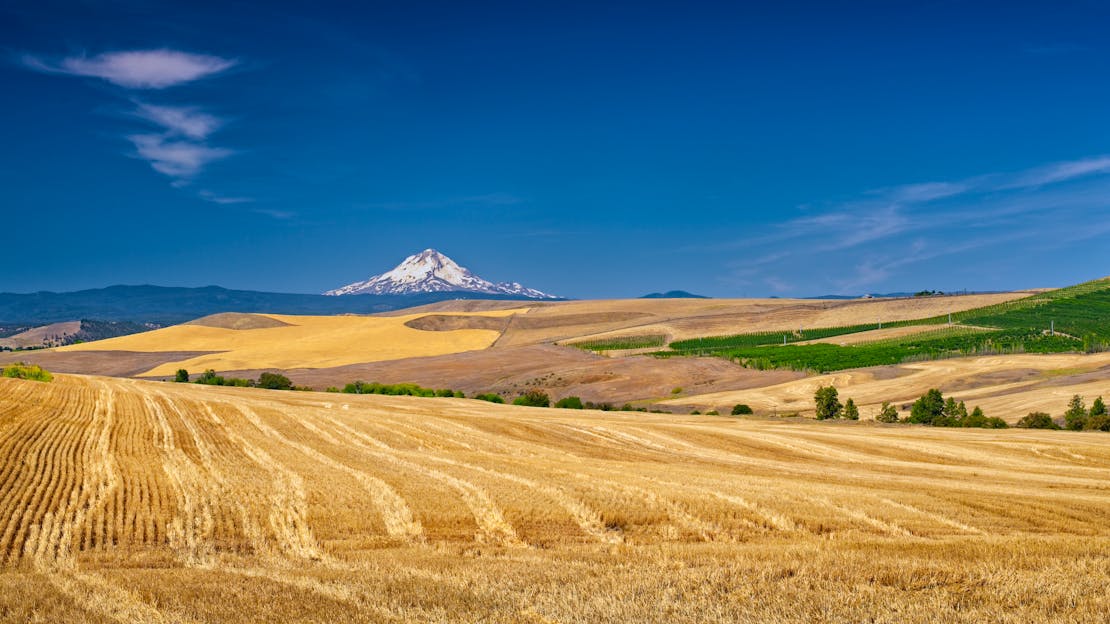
x: 1073, y: 319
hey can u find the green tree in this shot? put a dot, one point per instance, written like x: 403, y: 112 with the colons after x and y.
x: 533, y: 398
x: 182, y: 376
x: 887, y: 413
x: 851, y: 412
x: 827, y: 401
x: 928, y: 408
x: 740, y: 409
x: 1076, y: 416
x: 274, y: 381
x: 571, y: 402
x: 1037, y: 420
x: 975, y: 419
x: 1098, y: 408
x: 1098, y: 419
x: 489, y: 396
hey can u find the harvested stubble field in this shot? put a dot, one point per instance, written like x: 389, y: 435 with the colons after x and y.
x: 131, y: 501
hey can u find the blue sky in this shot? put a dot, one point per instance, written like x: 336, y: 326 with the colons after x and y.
x: 588, y: 150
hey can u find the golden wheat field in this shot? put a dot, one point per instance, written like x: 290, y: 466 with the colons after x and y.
x: 135, y: 501
x: 284, y: 341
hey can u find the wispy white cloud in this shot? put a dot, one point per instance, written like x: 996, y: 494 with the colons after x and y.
x: 187, y: 121
x: 175, y: 158
x: 223, y: 200
x: 137, y: 69
x: 885, y: 234
x: 1059, y: 172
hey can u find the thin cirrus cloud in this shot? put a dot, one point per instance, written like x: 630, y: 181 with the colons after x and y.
x: 186, y: 121
x: 137, y: 69
x: 175, y: 158
x: 884, y: 233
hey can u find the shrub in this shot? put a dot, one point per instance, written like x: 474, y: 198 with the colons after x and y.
x: 676, y: 390
x: 533, y: 398
x: 30, y: 372
x: 571, y: 402
x: 828, y: 403
x: 605, y: 407
x: 489, y: 396
x: 712, y: 413
x: 695, y: 413
x: 887, y: 413
x: 332, y: 389
x: 1037, y: 420
x: 182, y: 376
x: 740, y: 409
x: 274, y: 381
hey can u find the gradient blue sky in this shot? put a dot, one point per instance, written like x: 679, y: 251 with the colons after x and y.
x: 589, y: 150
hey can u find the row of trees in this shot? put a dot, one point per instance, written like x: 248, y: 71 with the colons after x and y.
x: 930, y: 409
x: 829, y: 406
x: 269, y: 381
x: 1078, y: 417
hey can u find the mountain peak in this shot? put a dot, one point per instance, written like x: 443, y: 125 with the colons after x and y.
x: 431, y: 271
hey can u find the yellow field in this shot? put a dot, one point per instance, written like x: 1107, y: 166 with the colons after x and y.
x: 303, y: 341
x: 136, y: 501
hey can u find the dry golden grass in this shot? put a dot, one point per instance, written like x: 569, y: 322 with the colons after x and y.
x: 1007, y: 386
x: 297, y: 341
x: 135, y: 501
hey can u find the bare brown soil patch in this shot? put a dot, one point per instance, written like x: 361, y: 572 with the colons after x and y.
x: 110, y: 363
x: 561, y: 371
x: 442, y: 322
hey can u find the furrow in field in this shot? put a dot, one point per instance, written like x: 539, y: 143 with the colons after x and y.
x: 486, y: 513
x: 96, y: 595
x: 288, y: 508
x: 587, y: 518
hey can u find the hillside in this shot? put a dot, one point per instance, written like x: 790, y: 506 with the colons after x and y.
x: 175, y: 502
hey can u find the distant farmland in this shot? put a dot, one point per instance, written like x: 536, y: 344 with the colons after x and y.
x: 128, y: 501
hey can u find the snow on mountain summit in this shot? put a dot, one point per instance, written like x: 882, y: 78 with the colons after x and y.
x: 431, y: 271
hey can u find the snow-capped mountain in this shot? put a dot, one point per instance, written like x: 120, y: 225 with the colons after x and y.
x: 431, y: 271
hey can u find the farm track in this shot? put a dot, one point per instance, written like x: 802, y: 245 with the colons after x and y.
x: 401, y: 509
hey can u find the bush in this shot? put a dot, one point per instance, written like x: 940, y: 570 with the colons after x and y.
x: 1037, y: 420
x: 30, y: 372
x: 887, y: 413
x: 1100, y: 422
x: 332, y: 389
x: 533, y: 398
x: 571, y: 402
x: 182, y: 376
x: 489, y: 396
x: 740, y: 409
x: 712, y: 413
x: 274, y: 381
x: 605, y: 407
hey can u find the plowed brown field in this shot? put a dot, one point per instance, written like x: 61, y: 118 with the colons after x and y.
x: 135, y: 501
